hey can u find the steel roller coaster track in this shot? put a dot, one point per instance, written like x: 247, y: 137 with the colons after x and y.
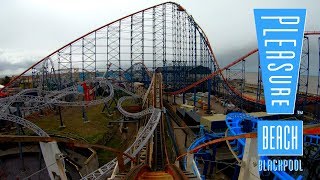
x: 134, y: 149
x: 162, y: 38
x: 238, y: 136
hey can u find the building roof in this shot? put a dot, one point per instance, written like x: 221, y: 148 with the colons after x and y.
x: 207, y: 120
x: 190, y: 69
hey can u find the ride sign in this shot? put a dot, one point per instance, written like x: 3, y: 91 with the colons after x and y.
x: 279, y: 34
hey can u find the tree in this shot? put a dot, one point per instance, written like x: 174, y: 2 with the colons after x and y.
x: 6, y: 80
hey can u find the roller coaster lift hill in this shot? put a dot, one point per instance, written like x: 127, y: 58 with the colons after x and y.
x: 188, y: 117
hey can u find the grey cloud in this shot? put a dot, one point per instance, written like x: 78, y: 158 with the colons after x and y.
x: 228, y: 56
x: 14, y: 62
x: 7, y: 65
x: 46, y: 26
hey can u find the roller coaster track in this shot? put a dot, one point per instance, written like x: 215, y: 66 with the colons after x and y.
x: 143, y: 67
x: 69, y: 142
x: 47, y: 153
x: 39, y: 102
x: 162, y: 8
x: 132, y: 115
x: 24, y: 123
x: 125, y: 90
x: 188, y: 45
x: 315, y: 130
x: 62, y: 53
x: 46, y: 100
x: 160, y: 156
x: 134, y: 149
x: 141, y: 140
x: 220, y: 70
x: 235, y: 125
x: 80, y: 38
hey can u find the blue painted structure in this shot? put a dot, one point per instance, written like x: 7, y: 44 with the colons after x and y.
x: 241, y: 123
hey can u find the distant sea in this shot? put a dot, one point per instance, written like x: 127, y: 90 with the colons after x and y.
x: 252, y: 78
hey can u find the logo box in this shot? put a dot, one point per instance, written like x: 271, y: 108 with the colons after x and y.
x: 280, y: 34
x: 280, y: 138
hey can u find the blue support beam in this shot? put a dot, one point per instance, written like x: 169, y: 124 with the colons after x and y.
x: 209, y: 97
x: 194, y: 96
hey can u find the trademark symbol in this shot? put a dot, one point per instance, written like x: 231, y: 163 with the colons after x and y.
x: 300, y: 112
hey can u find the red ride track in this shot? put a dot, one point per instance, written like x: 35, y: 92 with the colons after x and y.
x: 219, y: 71
x: 232, y: 64
x: 17, y: 77
x: 307, y: 130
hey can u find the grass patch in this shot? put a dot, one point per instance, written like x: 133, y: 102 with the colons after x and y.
x: 106, y: 156
x: 92, y: 131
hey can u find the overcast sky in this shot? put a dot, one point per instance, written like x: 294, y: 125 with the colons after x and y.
x: 32, y: 29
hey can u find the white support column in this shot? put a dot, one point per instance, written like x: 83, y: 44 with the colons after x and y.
x: 189, y: 162
x: 249, y: 166
x: 53, y: 159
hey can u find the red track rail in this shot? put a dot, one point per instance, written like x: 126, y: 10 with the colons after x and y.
x: 307, y: 130
x: 144, y: 66
x: 219, y: 71
x: 17, y: 77
x: 213, y: 74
